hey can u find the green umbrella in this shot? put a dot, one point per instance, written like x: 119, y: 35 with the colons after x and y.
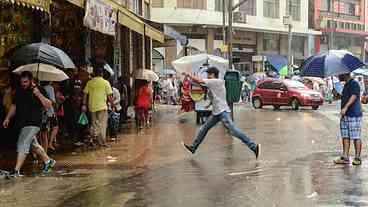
x: 283, y: 71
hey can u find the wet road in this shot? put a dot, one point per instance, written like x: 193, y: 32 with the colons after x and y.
x: 152, y: 168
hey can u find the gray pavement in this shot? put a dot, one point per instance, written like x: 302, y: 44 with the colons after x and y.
x: 152, y: 168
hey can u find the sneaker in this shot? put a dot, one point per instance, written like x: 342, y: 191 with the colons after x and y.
x: 14, y: 174
x: 341, y: 160
x: 257, y: 151
x: 357, y: 161
x: 48, y: 166
x: 189, y: 148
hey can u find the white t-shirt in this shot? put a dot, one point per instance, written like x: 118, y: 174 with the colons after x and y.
x: 218, y: 95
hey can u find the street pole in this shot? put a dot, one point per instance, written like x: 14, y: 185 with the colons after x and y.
x: 289, y: 48
x: 224, y: 22
x: 230, y: 46
x: 230, y: 34
x: 331, y: 39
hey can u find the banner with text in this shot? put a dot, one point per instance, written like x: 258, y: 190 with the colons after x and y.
x: 100, y: 17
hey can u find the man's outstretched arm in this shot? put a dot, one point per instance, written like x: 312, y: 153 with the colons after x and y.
x: 196, y: 79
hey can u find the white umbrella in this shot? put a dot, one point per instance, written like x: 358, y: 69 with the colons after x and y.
x: 109, y: 69
x: 192, y: 64
x: 144, y: 74
x: 43, y: 72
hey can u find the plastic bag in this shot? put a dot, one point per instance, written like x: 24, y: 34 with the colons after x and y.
x: 131, y: 112
x: 83, y: 119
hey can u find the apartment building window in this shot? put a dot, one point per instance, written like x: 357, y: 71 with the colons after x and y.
x: 271, y: 8
x: 218, y: 5
x: 326, y: 5
x: 147, y: 11
x: 271, y: 42
x: 293, y: 9
x: 192, y: 4
x: 157, y: 3
x: 136, y: 6
x: 249, y: 7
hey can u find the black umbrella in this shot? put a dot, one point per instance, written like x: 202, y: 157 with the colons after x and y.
x: 41, y: 53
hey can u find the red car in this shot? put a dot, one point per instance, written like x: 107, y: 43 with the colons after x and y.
x: 285, y: 93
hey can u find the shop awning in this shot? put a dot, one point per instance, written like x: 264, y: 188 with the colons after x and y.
x: 43, y: 5
x: 155, y: 34
x: 79, y: 3
x: 140, y: 25
x: 128, y: 19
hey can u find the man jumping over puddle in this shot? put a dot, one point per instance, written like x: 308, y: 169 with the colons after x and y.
x: 351, y: 120
x: 220, y: 112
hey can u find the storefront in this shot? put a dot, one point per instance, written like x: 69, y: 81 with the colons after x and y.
x: 67, y: 30
x: 20, y: 23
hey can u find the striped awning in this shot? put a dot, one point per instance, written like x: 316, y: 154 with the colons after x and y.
x: 42, y: 5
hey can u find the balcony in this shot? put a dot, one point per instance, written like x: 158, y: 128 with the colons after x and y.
x: 337, y: 15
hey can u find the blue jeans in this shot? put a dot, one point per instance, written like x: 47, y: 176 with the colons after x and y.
x: 225, y: 118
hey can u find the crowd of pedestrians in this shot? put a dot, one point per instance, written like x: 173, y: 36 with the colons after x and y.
x: 81, y: 110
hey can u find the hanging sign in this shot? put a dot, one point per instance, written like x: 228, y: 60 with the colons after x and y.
x: 100, y: 17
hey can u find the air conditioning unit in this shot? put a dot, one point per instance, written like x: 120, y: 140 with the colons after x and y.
x: 240, y: 17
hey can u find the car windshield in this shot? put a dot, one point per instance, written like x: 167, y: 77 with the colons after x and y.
x: 295, y: 84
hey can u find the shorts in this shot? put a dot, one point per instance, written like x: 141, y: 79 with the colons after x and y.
x: 351, y: 127
x: 27, y: 139
x: 49, y: 123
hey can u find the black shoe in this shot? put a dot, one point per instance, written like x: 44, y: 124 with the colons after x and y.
x: 257, y: 151
x: 189, y: 148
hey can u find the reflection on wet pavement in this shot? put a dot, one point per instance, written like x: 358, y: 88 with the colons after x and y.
x: 152, y: 169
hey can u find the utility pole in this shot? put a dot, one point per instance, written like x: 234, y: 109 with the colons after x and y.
x: 288, y: 22
x: 331, y: 39
x: 230, y: 34
x: 224, y: 22
x: 290, y: 58
x: 230, y: 9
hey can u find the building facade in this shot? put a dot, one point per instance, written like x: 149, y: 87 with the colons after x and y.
x: 122, y: 34
x: 258, y: 28
x: 343, y: 24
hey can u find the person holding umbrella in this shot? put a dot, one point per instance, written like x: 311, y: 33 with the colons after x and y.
x: 341, y: 63
x: 351, y: 119
x: 27, y: 106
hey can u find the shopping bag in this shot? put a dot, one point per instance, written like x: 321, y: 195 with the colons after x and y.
x: 83, y: 119
x: 131, y: 112
x: 114, y: 120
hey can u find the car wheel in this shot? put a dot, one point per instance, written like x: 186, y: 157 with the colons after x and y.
x: 295, y: 104
x: 257, y: 103
x: 315, y: 107
x: 276, y: 107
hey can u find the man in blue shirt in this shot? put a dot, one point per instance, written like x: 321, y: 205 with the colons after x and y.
x: 351, y: 119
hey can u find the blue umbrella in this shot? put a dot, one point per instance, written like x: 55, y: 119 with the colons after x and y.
x: 331, y: 63
x: 278, y: 62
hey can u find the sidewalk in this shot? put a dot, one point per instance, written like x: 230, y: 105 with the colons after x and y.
x: 129, y: 150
